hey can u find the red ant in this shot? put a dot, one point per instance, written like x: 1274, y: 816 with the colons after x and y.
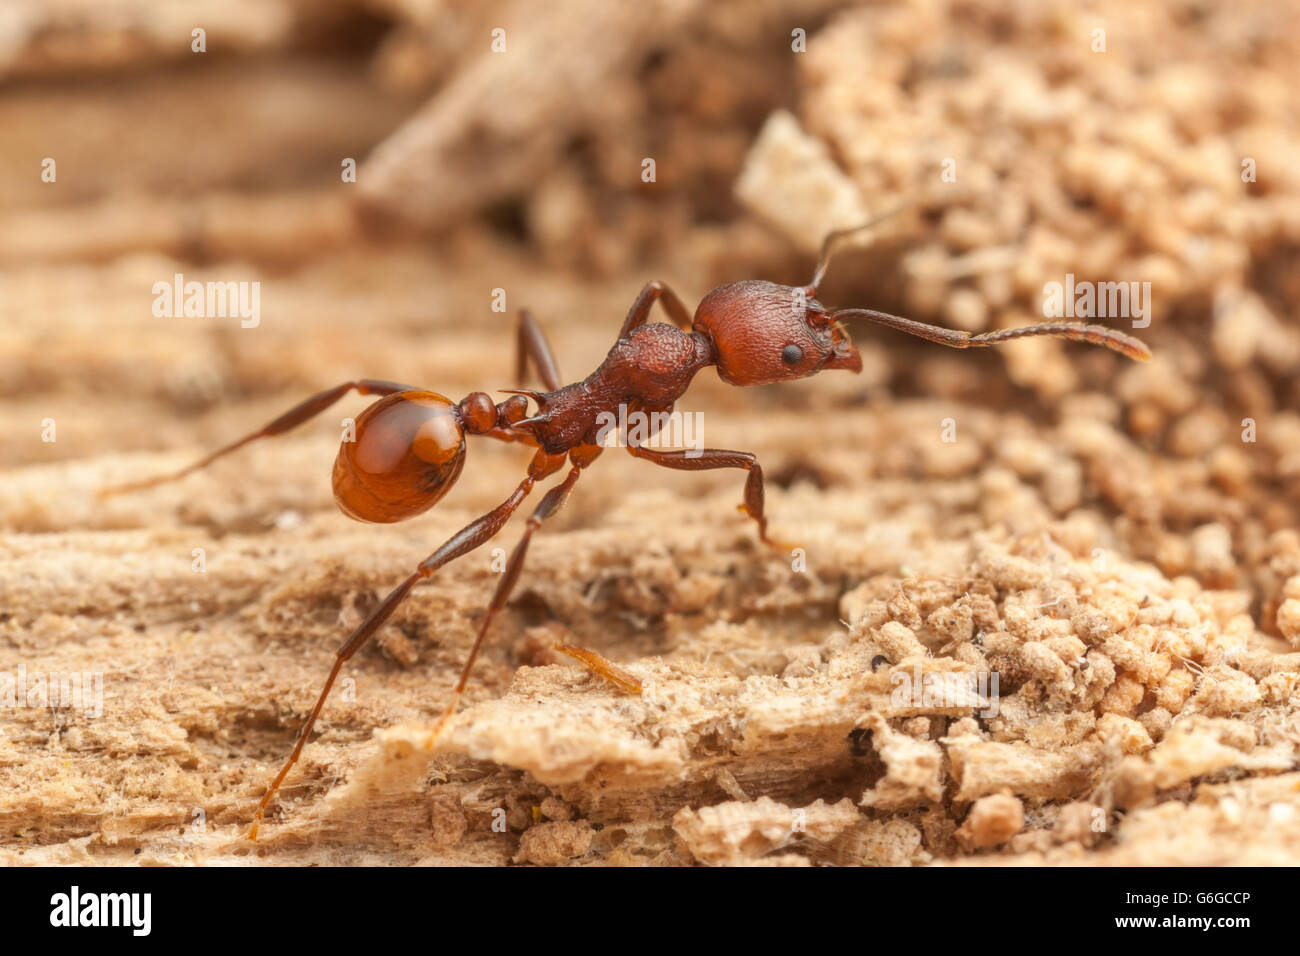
x: 410, y: 445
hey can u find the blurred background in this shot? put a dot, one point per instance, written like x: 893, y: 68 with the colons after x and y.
x: 500, y: 145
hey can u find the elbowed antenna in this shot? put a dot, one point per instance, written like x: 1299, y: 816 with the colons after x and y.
x: 1075, y: 331
x: 835, y: 240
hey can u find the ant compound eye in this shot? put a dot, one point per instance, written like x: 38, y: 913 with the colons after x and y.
x: 791, y: 355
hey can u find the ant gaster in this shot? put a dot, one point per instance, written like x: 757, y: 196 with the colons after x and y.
x: 409, y: 446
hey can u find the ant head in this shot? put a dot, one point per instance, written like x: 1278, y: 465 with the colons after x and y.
x: 763, y: 333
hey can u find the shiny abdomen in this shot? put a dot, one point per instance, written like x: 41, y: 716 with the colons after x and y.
x: 408, y: 452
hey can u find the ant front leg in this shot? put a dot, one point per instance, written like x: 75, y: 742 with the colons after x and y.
x: 653, y: 292
x: 711, y: 458
x: 309, y: 408
x: 531, y: 343
x: 467, y: 539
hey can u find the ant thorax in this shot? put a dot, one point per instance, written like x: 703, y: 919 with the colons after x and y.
x: 650, y: 369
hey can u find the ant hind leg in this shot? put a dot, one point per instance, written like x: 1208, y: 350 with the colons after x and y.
x: 309, y: 408
x: 467, y: 539
x: 549, y: 505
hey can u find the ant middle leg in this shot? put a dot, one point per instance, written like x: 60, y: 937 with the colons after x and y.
x: 652, y: 292
x: 309, y: 408
x: 552, y: 502
x: 531, y: 344
x: 710, y: 458
x: 462, y: 542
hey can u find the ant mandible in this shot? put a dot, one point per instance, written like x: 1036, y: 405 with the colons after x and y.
x: 409, y: 446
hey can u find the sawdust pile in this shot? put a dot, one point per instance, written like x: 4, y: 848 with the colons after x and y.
x: 1045, y: 605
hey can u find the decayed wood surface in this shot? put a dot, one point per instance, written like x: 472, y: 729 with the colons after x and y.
x: 1097, y: 533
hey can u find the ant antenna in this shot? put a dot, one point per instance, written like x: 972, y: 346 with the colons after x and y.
x: 835, y: 240
x: 1075, y: 331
